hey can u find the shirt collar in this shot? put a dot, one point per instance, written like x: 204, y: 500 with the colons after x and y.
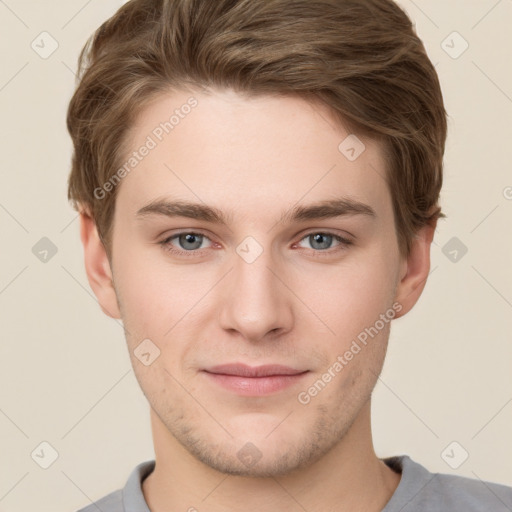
x: 414, y: 478
x: 133, y: 497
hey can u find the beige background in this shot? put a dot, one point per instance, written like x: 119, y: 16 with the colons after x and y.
x: 65, y: 375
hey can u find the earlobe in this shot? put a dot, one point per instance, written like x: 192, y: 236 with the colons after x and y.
x: 97, y: 266
x: 415, y: 269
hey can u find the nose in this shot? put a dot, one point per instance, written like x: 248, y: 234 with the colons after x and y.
x: 257, y: 300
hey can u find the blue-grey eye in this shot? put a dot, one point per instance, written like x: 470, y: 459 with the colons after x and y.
x: 320, y: 240
x: 190, y: 241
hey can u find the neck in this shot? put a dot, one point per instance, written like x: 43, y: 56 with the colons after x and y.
x: 348, y: 477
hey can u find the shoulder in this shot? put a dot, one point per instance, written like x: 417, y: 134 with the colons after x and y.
x: 472, y: 494
x: 130, y: 496
x: 112, y: 502
x: 420, y: 490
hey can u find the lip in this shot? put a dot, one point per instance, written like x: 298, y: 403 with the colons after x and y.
x: 243, y: 370
x: 254, y: 381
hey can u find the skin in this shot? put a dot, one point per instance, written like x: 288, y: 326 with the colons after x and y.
x: 291, y: 306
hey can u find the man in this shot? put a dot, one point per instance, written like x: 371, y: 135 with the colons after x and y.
x: 297, y: 147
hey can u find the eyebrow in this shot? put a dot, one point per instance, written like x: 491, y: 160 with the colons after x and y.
x: 321, y: 210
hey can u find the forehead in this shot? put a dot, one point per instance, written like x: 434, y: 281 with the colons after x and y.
x: 246, y: 154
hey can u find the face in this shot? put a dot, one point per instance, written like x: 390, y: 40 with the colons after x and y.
x: 269, y: 282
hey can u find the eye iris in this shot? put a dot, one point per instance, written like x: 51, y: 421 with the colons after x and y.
x: 319, y: 237
x: 189, y: 238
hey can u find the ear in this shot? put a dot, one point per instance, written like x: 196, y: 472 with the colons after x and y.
x: 415, y: 269
x: 97, y: 266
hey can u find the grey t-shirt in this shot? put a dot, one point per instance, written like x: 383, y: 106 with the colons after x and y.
x: 419, y: 490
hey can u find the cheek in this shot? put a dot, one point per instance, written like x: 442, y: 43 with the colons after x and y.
x: 351, y: 296
x: 148, y: 294
x: 343, y: 297
x: 162, y: 302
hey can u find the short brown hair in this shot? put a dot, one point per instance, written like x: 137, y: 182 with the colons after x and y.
x: 361, y: 58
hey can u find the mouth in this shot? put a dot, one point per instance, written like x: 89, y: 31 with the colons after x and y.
x: 254, y: 381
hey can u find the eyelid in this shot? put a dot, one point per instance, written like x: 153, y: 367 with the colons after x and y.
x: 309, y: 231
x: 328, y: 231
x: 166, y: 242
x: 343, y: 242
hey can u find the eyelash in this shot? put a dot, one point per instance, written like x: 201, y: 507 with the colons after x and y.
x: 166, y: 244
